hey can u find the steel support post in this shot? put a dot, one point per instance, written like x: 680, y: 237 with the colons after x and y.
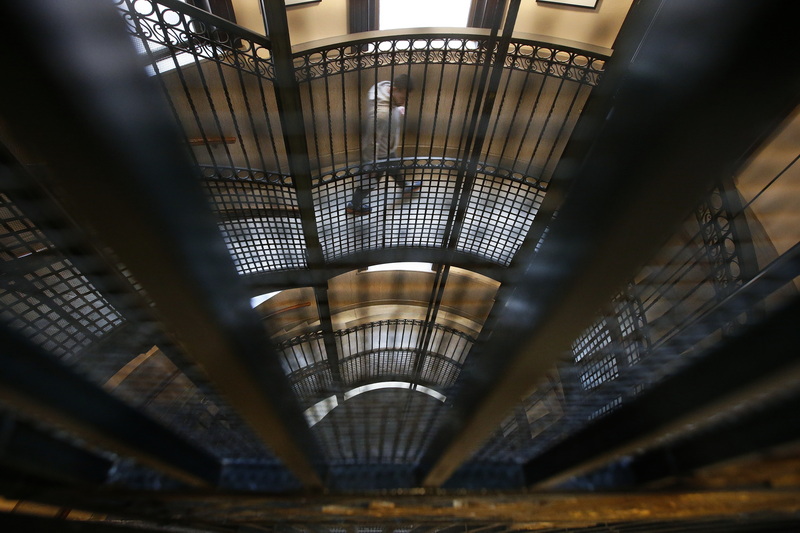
x: 287, y: 93
x: 118, y: 167
x: 678, y: 398
x: 36, y: 383
x: 30, y: 450
x: 660, y: 131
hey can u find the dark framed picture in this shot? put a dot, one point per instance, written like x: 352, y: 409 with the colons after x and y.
x: 578, y: 3
x: 298, y: 2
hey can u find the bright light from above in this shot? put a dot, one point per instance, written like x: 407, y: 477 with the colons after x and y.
x: 416, y: 267
x: 393, y: 385
x: 397, y: 14
x: 320, y: 410
x: 317, y: 412
x: 258, y: 300
x: 175, y: 61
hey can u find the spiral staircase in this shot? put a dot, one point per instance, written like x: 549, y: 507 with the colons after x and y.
x: 585, y: 320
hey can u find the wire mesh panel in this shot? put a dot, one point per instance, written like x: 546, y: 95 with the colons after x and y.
x: 388, y: 350
x: 305, y: 361
x: 596, y: 359
x: 543, y: 91
x: 47, y: 297
x: 151, y: 382
x: 682, y: 302
x: 218, y: 81
x: 259, y: 220
x: 386, y: 426
x: 499, y: 215
x: 398, y: 219
x: 43, y: 294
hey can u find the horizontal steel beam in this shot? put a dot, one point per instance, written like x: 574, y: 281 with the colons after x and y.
x: 758, y: 432
x: 731, y: 367
x: 118, y: 167
x: 519, y: 511
x: 287, y: 279
x: 660, y: 129
x: 29, y: 450
x: 37, y: 384
x: 25, y: 523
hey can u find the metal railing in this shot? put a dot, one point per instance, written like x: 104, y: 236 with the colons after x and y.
x: 222, y: 93
x: 224, y: 98
x: 543, y: 88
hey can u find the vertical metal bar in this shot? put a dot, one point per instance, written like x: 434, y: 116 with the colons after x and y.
x: 332, y: 163
x: 331, y: 347
x: 287, y: 92
x: 313, y: 112
x: 546, y: 122
x: 206, y: 88
x: 267, y: 115
x: 498, y: 115
x: 36, y: 383
x: 530, y: 121
x: 561, y: 128
x: 234, y: 119
x: 190, y: 100
x: 479, y: 122
x: 250, y: 113
x: 112, y: 169
x: 596, y: 243
x: 523, y: 96
x: 139, y: 34
x: 678, y: 397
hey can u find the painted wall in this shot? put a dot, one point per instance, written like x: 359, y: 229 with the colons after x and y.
x: 307, y: 22
x: 597, y: 26
x: 328, y: 18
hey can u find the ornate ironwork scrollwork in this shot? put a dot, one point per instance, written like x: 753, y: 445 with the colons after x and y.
x: 434, y: 163
x: 548, y: 60
x: 171, y: 29
x: 244, y: 174
x: 716, y: 230
x: 527, y: 56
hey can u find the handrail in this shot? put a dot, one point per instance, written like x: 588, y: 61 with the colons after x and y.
x: 242, y: 174
x: 197, y: 32
x: 528, y: 52
x: 214, y: 20
x: 438, y: 163
x: 468, y: 33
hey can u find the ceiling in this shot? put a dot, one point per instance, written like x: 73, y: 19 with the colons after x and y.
x: 585, y: 320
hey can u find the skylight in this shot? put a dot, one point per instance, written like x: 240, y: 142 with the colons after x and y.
x: 320, y: 410
x: 416, y: 267
x: 317, y: 412
x: 398, y: 14
x: 394, y: 385
x: 258, y: 300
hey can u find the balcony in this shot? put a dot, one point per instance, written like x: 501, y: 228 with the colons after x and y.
x: 607, y: 300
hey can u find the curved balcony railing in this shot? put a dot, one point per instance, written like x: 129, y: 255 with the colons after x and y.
x: 378, y: 351
x: 73, y: 304
x: 648, y: 332
x: 219, y: 81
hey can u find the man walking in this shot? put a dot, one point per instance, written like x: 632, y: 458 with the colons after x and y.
x: 380, y: 139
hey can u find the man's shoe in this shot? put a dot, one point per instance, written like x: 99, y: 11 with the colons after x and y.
x: 413, y: 187
x: 363, y: 209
